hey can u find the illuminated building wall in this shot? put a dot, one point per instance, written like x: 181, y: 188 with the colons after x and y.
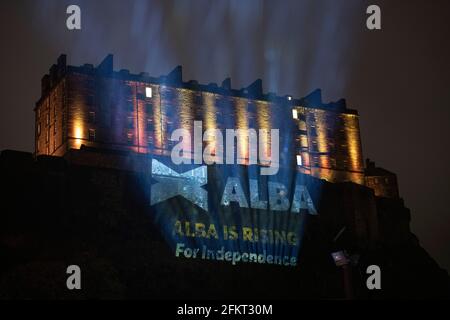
x: 328, y: 140
x: 383, y: 182
x: 98, y: 107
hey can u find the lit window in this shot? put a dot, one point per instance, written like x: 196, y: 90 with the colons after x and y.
x: 299, y: 160
x: 294, y: 114
x: 148, y: 92
x: 289, y: 98
x: 92, y: 134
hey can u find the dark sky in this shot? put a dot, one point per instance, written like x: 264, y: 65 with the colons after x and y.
x: 397, y: 78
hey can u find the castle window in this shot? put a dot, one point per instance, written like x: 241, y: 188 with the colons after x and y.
x: 48, y: 119
x: 294, y: 114
x: 39, y: 129
x: 316, y: 161
x: 198, y: 99
x: 168, y: 94
x: 130, y: 138
x: 39, y: 112
x: 330, y: 132
x: 47, y: 138
x: 90, y: 84
x: 127, y: 91
x: 148, y: 107
x: 91, y: 134
x: 149, y: 124
x: 90, y: 100
x: 148, y: 92
x: 129, y: 106
x: 130, y: 122
x: 251, y: 107
x: 299, y: 160
x: 149, y: 139
x: 54, y: 129
x: 91, y: 117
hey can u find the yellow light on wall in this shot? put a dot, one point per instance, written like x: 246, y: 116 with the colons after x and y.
x: 78, y: 134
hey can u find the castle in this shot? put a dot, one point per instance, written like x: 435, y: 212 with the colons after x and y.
x: 97, y: 107
x: 96, y: 132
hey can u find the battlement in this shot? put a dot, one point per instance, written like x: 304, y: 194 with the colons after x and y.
x: 174, y: 79
x: 102, y: 108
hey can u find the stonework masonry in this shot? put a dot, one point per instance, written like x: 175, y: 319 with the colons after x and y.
x: 99, y: 107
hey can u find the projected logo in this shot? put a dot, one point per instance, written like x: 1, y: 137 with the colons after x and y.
x: 248, y: 210
x: 240, y: 218
x: 189, y: 186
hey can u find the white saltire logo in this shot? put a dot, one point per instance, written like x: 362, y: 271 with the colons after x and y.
x: 171, y: 183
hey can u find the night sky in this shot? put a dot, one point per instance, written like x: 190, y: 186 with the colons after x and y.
x: 397, y: 78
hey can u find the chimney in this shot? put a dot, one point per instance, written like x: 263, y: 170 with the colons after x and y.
x: 314, y: 99
x: 370, y: 164
x: 226, y: 84
x: 255, y: 89
x: 175, y: 76
x: 45, y: 85
x: 61, y: 63
x: 107, y: 65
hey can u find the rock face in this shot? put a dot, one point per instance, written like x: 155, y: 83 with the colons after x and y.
x: 58, y: 212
